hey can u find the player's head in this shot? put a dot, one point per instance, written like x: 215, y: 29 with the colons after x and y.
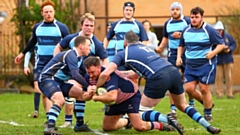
x: 109, y: 25
x: 93, y: 67
x: 196, y: 17
x: 176, y: 10
x: 128, y: 10
x: 47, y: 10
x: 83, y: 45
x: 130, y: 38
x: 87, y: 22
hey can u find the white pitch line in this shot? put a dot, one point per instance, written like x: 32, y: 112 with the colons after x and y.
x: 11, y: 123
x: 16, y: 124
x: 99, y: 133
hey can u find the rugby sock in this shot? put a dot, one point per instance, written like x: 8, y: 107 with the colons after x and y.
x: 154, y: 116
x: 47, y: 115
x: 196, y: 116
x: 53, y: 113
x: 191, y: 102
x: 156, y: 125
x: 79, y: 108
x: 36, y: 101
x: 173, y: 107
x: 208, y: 112
x: 68, y: 118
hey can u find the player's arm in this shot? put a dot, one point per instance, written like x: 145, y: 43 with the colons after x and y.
x: 57, y: 49
x: 162, y: 45
x: 105, y: 62
x: 217, y: 50
x: 108, y: 97
x: 105, y: 74
x: 105, y: 43
x: 179, y: 55
x: 26, y: 63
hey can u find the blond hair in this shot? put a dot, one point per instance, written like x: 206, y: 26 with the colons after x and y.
x: 88, y: 16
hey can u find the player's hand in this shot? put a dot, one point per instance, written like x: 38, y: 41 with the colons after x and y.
x: 210, y: 55
x: 27, y: 71
x: 92, y: 89
x: 179, y: 62
x: 19, y: 58
x: 158, y: 49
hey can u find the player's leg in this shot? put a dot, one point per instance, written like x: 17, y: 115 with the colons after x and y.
x: 51, y: 89
x: 79, y: 106
x: 155, y: 89
x: 69, y: 105
x: 37, y: 94
x: 206, y: 77
x: 178, y: 96
x: 113, y: 122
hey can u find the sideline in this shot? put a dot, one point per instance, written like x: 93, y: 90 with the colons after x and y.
x: 16, y: 124
x: 11, y: 123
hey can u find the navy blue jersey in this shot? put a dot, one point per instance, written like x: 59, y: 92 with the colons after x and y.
x: 121, y: 27
x: 65, y: 62
x: 46, y: 35
x: 141, y: 59
x: 97, y: 48
x: 170, y: 27
x: 116, y: 81
x: 198, y: 42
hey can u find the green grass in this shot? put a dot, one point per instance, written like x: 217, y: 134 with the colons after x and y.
x: 18, y: 107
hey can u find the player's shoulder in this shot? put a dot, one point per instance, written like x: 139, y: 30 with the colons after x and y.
x: 96, y: 41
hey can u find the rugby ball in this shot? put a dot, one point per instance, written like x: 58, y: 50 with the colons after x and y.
x: 102, y: 91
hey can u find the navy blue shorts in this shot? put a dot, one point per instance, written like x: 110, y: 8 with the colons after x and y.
x: 37, y: 71
x: 49, y: 86
x: 204, y: 74
x: 165, y: 79
x: 129, y: 106
x: 173, y: 60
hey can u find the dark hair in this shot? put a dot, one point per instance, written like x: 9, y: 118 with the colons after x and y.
x: 79, y: 40
x: 91, y: 61
x: 148, y: 22
x: 197, y: 10
x: 131, y: 37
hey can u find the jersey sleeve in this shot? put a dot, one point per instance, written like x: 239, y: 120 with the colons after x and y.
x: 64, y: 43
x: 119, y: 58
x: 215, y: 37
x: 112, y: 82
x: 165, y: 34
x: 111, y: 32
x: 32, y: 42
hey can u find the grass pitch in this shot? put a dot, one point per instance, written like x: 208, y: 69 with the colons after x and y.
x: 16, y: 111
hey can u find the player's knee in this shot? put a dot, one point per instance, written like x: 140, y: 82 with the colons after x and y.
x: 140, y: 128
x: 143, y: 109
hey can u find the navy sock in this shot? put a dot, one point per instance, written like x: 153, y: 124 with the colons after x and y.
x: 196, y: 116
x: 36, y: 101
x: 173, y: 107
x: 68, y: 118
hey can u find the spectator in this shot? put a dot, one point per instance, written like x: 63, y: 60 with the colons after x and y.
x: 224, y: 63
x: 152, y: 38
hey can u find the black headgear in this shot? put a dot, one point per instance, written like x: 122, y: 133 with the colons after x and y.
x: 129, y: 4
